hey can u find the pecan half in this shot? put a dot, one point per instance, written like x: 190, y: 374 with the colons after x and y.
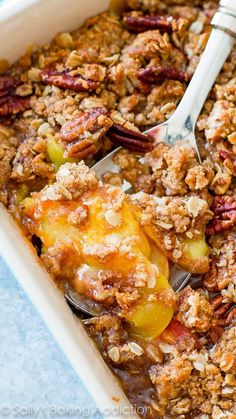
x: 225, y: 312
x: 10, y: 102
x: 229, y: 160
x: 144, y: 23
x: 224, y: 209
x: 229, y: 318
x: 82, y: 135
x: 132, y: 140
x: 66, y: 80
x: 218, y: 306
x: 11, y: 105
x: 160, y: 73
x: 4, y: 92
x: 7, y: 82
x: 222, y: 204
x: 80, y: 150
x: 222, y: 270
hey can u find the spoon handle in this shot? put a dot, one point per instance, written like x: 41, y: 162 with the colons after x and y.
x: 219, y: 45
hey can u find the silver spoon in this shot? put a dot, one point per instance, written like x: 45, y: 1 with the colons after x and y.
x: 80, y: 303
x: 181, y: 125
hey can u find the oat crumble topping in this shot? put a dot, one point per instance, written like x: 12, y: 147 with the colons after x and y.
x: 65, y: 105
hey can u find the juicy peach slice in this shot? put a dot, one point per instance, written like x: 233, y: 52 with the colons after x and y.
x: 104, y: 228
x: 53, y: 224
x: 151, y: 316
x: 194, y: 257
x: 184, y: 244
x: 55, y: 152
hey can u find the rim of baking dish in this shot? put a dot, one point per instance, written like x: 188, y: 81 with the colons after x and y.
x: 10, y: 8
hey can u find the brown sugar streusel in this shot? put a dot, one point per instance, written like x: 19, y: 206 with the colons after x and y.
x: 76, y: 99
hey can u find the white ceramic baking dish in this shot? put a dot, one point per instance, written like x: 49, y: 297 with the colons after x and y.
x: 23, y: 22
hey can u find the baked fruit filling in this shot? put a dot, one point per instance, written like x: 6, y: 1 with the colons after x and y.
x: 91, y: 238
x: 65, y: 105
x: 110, y: 246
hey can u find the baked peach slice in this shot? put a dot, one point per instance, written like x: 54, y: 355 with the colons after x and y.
x: 92, y: 239
x: 177, y: 227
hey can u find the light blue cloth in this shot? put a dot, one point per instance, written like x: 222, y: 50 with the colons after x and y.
x: 34, y: 373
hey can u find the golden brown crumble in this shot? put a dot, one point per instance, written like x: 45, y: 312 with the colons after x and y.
x: 172, y: 223
x: 58, y: 104
x: 72, y: 180
x: 8, y: 145
x: 166, y: 171
x: 195, y: 312
x: 221, y: 122
x: 30, y: 161
x: 222, y: 268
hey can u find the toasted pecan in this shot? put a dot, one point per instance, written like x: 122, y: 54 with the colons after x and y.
x: 225, y: 312
x: 10, y: 102
x: 229, y: 318
x: 11, y: 105
x: 144, y: 23
x: 82, y: 134
x: 158, y: 74
x: 229, y: 160
x: 224, y: 209
x: 66, y: 80
x: 132, y: 140
x: 7, y: 82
